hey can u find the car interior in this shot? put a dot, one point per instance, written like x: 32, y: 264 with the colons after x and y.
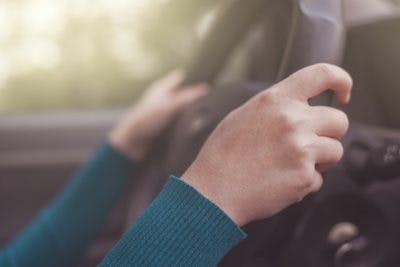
x: 247, y: 47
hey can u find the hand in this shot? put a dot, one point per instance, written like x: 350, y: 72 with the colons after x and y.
x: 146, y: 120
x: 269, y: 153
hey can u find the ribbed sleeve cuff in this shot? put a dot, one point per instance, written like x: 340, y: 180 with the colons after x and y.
x: 112, y: 154
x: 180, y: 228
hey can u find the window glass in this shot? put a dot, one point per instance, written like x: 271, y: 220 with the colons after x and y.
x: 72, y: 54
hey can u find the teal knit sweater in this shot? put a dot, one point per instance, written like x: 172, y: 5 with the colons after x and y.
x: 180, y: 227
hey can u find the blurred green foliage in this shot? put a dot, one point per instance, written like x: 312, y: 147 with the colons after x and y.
x: 89, y: 57
x: 73, y: 54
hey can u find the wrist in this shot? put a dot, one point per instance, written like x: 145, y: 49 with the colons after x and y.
x: 127, y: 144
x: 206, y: 184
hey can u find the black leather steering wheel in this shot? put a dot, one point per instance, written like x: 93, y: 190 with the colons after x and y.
x: 316, y: 35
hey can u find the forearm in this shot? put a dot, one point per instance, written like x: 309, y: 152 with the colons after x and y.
x: 180, y: 228
x: 62, y: 232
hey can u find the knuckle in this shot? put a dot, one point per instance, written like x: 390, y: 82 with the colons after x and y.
x: 336, y: 120
x: 305, y: 178
x: 349, y: 80
x: 266, y: 98
x: 338, y: 151
x: 344, y: 121
x: 287, y: 122
x: 333, y: 73
x: 302, y: 155
x: 326, y: 71
x: 316, y: 186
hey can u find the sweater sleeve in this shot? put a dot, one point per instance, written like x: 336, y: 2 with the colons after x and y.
x: 63, y: 230
x: 180, y: 228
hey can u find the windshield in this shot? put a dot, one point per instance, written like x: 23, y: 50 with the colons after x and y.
x: 76, y: 54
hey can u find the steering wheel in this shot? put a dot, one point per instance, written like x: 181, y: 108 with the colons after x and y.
x: 315, y: 34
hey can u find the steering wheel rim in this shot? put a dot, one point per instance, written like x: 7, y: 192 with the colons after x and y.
x: 316, y: 35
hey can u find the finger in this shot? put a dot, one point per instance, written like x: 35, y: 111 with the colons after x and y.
x: 314, y: 80
x: 326, y: 150
x: 314, y: 186
x: 189, y: 95
x: 171, y: 81
x: 329, y: 122
x: 318, y: 181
